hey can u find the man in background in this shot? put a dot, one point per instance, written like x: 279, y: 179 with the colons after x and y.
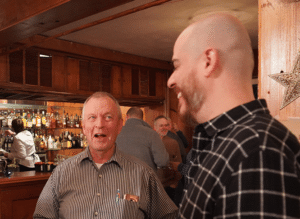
x: 179, y: 137
x: 243, y: 163
x: 137, y: 138
x: 168, y: 177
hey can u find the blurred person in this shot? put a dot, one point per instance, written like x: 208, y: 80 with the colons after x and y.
x: 22, y: 148
x: 102, y: 181
x: 243, y: 163
x: 137, y: 138
x: 168, y: 177
x: 172, y: 133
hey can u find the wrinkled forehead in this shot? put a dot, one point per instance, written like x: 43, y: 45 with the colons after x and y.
x: 101, y: 105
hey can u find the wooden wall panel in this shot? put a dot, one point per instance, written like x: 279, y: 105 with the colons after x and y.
x: 279, y: 44
x: 58, y: 73
x: 99, y: 53
x: 3, y: 69
x: 72, y: 74
x: 161, y: 84
x: 116, y: 85
x: 152, y: 112
x: 126, y: 75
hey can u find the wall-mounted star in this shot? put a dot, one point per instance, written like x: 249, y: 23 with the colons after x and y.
x: 291, y: 82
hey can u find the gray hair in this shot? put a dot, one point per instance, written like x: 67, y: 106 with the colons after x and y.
x: 100, y: 95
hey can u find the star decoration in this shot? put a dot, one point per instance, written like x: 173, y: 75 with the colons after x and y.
x: 291, y: 82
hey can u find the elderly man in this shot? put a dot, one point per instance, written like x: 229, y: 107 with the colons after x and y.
x: 103, y: 182
x: 137, y: 138
x: 244, y: 163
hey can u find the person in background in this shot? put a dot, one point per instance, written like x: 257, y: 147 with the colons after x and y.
x: 102, y: 181
x: 244, y: 163
x: 22, y: 148
x: 172, y: 133
x: 137, y: 138
x: 168, y: 177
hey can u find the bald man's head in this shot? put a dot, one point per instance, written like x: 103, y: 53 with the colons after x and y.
x: 212, y: 59
x: 222, y: 32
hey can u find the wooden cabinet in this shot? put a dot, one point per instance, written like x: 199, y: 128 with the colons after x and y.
x: 56, y: 76
x: 19, y: 194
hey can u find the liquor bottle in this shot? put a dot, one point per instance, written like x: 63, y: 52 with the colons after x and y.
x: 9, y: 119
x: 76, y: 120
x: 29, y: 120
x: 38, y: 119
x: 80, y: 121
x: 52, y: 121
x: 72, y: 122
x: 4, y: 121
x: 43, y: 117
x: 33, y: 120
x: 24, y: 119
x: 81, y: 139
x: 1, y: 119
x: 64, y: 120
x: 48, y: 121
x: 50, y: 142
x: 59, y: 122
x: 67, y: 121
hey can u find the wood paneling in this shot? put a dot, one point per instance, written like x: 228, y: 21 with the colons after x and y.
x: 46, y: 70
x: 3, y: 68
x: 19, y: 194
x: 38, y: 16
x: 31, y: 67
x: 100, y: 53
x: 126, y: 77
x: 116, y: 75
x: 161, y: 84
x: 279, y: 31
x: 58, y: 73
x: 16, y: 67
x: 72, y: 75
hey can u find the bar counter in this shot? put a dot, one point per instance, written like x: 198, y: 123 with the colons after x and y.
x: 20, y: 192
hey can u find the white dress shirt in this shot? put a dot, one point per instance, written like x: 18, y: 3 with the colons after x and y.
x: 23, y: 149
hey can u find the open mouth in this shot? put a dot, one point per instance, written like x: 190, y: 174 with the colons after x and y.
x: 99, y: 135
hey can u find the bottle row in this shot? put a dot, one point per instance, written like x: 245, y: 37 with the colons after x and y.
x: 45, y: 142
x: 36, y: 119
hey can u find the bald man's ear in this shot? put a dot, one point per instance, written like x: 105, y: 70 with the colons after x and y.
x: 210, y: 62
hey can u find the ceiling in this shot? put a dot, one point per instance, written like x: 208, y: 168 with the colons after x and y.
x: 139, y: 30
x: 152, y: 32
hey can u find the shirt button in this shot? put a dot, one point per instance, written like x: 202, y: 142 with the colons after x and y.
x: 96, y: 213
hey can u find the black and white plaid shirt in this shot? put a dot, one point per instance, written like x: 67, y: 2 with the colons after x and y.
x: 245, y: 165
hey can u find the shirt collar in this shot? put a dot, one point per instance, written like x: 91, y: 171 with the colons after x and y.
x: 116, y: 158
x: 232, y: 117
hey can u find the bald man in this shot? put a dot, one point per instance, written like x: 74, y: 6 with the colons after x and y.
x: 244, y: 163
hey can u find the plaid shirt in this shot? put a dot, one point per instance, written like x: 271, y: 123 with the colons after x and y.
x: 245, y: 164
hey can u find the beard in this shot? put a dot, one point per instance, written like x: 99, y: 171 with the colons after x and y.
x: 193, y: 104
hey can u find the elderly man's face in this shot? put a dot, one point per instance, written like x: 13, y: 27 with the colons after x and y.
x: 162, y: 127
x: 101, y: 124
